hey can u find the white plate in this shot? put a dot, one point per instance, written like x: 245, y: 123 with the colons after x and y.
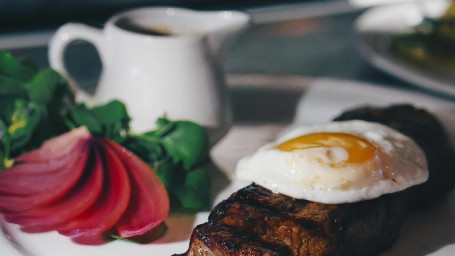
x: 426, y: 233
x: 373, y: 30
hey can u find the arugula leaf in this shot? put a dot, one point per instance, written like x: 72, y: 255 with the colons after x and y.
x: 23, y: 121
x: 5, y: 146
x: 51, y: 92
x: 146, y: 147
x: 112, y: 113
x: 115, y: 120
x: 185, y: 141
x: 9, y: 86
x: 194, y: 193
x: 109, y: 121
x: 82, y: 116
x: 42, y: 87
x: 33, y: 105
x: 12, y: 67
x: 165, y: 170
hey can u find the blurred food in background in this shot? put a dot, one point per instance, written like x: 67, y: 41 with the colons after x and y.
x: 430, y: 44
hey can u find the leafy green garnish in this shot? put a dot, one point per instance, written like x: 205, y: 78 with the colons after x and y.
x: 185, y: 141
x: 33, y: 106
x: 193, y: 193
x: 24, y: 118
x: 109, y: 121
x: 12, y: 67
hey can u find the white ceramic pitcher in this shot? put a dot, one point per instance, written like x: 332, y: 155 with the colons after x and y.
x: 159, y: 61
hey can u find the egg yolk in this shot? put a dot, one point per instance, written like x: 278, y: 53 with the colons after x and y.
x: 359, y: 149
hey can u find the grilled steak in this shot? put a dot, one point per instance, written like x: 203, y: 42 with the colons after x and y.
x: 255, y: 221
x: 429, y: 134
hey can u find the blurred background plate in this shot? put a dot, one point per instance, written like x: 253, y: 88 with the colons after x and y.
x: 374, y: 31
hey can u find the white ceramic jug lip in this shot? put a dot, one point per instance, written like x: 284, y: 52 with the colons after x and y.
x: 194, y: 23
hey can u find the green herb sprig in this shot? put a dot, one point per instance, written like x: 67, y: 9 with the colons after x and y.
x: 33, y: 106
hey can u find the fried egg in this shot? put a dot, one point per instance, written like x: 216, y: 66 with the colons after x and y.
x: 337, y: 162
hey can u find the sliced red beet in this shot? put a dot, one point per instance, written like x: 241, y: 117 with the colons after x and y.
x: 56, y: 215
x: 111, y: 203
x: 84, y: 188
x: 56, y: 147
x: 20, y: 192
x: 92, y: 239
x: 37, y: 168
x: 29, y: 178
x: 149, y: 204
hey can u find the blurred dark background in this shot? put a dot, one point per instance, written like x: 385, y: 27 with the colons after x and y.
x: 287, y: 37
x: 21, y: 15
x: 311, y: 38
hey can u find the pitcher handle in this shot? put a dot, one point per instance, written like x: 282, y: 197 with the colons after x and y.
x: 66, y: 34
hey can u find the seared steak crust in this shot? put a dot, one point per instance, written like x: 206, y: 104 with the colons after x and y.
x: 255, y: 221
x: 215, y: 239
x: 429, y: 134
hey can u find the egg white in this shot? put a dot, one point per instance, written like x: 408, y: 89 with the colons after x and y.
x: 312, y: 173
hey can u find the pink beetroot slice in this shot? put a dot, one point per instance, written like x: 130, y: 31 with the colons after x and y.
x: 111, y: 203
x: 149, y: 204
x: 29, y: 185
x: 56, y: 215
x: 56, y: 147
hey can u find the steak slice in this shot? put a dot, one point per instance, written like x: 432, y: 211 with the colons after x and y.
x: 255, y: 221
x: 215, y: 239
x: 426, y: 130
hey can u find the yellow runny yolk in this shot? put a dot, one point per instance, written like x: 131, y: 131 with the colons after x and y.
x: 359, y: 149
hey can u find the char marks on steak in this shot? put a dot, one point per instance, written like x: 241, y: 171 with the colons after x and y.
x: 255, y: 221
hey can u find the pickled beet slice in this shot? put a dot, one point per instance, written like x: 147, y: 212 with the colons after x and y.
x: 111, y: 203
x: 83, y: 187
x: 92, y: 239
x: 149, y: 204
x: 56, y: 147
x: 31, y: 178
x: 76, y: 202
x: 20, y: 192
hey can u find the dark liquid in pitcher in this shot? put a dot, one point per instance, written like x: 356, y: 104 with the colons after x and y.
x: 130, y: 25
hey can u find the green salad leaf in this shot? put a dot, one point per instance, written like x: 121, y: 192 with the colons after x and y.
x: 14, y: 68
x: 194, y: 191
x: 166, y: 171
x: 185, y: 141
x: 109, y: 121
x: 25, y: 117
x: 82, y: 116
x: 33, y: 106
